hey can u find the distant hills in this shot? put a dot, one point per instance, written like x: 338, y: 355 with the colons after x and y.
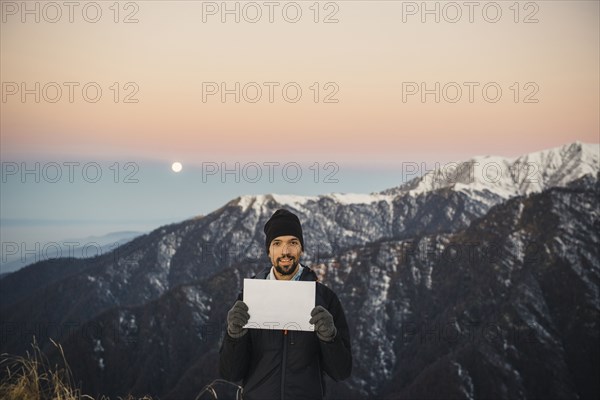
x: 74, y: 247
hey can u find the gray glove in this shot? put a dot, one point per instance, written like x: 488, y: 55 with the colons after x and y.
x: 237, y: 317
x: 323, y: 321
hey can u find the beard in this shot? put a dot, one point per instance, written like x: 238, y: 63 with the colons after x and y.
x: 286, y: 269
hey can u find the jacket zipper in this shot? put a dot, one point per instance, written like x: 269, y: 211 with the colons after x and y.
x: 283, y: 363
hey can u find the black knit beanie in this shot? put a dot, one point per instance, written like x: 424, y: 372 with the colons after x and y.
x: 283, y: 223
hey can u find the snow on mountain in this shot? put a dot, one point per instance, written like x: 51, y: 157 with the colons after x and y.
x: 256, y: 202
x: 487, y: 179
x: 491, y: 176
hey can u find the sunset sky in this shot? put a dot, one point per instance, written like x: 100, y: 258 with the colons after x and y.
x: 509, y: 78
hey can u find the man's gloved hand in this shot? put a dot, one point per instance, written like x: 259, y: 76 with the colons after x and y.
x: 323, y: 321
x: 237, y: 317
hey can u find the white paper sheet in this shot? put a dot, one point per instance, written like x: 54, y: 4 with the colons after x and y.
x: 274, y: 304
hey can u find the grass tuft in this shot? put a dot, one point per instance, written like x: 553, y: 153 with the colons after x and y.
x: 33, y: 378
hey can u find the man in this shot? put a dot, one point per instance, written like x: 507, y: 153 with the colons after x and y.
x: 276, y: 364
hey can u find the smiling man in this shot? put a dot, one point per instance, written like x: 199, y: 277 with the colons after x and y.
x: 276, y: 364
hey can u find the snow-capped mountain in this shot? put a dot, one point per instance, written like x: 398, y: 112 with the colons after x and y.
x: 161, y: 299
x: 509, y: 177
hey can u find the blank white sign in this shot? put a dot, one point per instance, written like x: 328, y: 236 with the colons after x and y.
x: 276, y: 304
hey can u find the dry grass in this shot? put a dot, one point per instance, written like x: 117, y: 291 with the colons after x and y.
x: 32, y: 378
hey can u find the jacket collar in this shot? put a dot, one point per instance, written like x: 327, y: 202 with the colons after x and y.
x: 307, y: 274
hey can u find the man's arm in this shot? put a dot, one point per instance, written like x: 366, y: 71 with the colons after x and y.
x: 235, y: 349
x: 336, y: 354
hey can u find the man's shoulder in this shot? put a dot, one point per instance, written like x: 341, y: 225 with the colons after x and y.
x: 325, y: 290
x: 308, y: 274
x: 262, y: 274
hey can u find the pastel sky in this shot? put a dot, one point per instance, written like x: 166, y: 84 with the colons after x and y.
x: 512, y: 77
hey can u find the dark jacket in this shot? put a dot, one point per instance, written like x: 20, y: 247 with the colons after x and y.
x: 276, y: 364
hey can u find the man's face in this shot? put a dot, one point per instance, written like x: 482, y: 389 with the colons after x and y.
x: 285, y: 252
